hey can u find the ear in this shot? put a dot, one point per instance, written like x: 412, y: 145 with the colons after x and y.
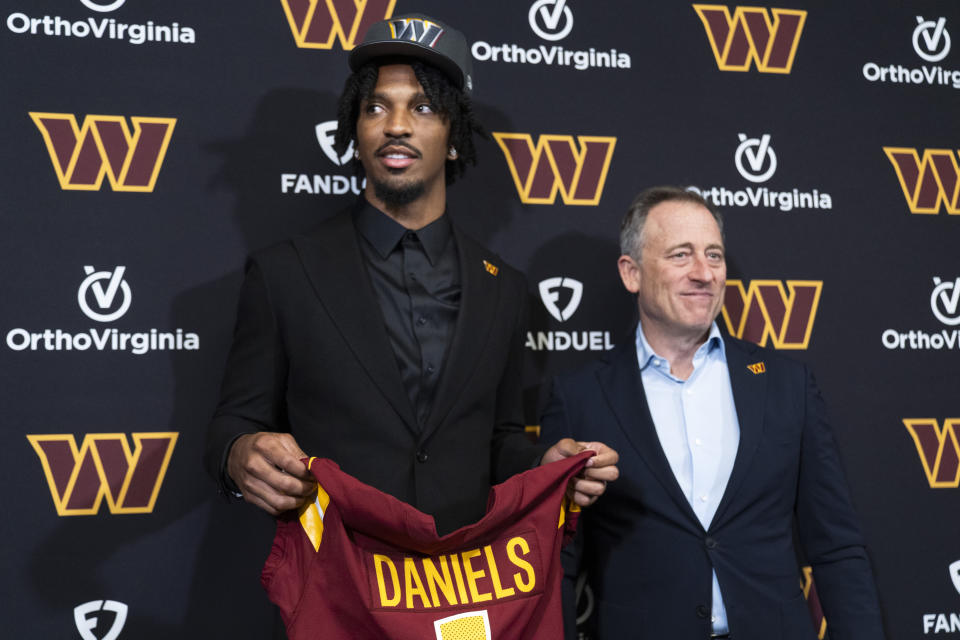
x: 629, y: 273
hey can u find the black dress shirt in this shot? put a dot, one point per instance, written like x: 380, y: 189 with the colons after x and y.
x: 416, y: 279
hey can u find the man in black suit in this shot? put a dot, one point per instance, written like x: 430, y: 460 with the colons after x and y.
x: 386, y: 339
x: 725, y: 450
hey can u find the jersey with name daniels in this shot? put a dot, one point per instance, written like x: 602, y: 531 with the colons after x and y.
x: 358, y: 563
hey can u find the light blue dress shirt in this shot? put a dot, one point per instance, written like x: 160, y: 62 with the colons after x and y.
x: 697, y: 424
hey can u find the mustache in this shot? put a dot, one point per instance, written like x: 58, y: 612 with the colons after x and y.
x: 398, y: 143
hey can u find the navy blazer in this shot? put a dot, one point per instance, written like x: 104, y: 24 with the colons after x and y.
x: 650, y: 559
x: 311, y: 356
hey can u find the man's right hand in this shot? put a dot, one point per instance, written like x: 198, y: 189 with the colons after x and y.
x: 267, y: 469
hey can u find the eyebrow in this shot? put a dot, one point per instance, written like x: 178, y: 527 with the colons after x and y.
x: 689, y: 245
x: 379, y: 95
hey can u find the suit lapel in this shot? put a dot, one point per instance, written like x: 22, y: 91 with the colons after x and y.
x: 749, y: 395
x: 335, y: 268
x: 479, y: 300
x: 621, y: 383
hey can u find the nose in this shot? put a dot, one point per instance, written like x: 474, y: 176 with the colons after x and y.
x: 397, y: 124
x: 700, y: 270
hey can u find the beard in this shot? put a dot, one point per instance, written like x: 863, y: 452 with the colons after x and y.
x: 398, y: 195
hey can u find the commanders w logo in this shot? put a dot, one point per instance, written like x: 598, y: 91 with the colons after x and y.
x: 750, y: 36
x: 555, y: 164
x: 929, y: 181
x: 939, y: 450
x: 104, y: 466
x: 105, y: 146
x: 813, y: 602
x: 764, y: 311
x: 316, y: 24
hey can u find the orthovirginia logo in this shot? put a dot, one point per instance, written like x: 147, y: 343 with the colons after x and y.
x: 555, y: 164
x: 928, y: 181
x: 766, y: 311
x: 103, y: 296
x: 86, y: 622
x: 551, y: 20
x: 945, y: 306
x: 756, y: 162
x: 325, y: 184
x: 751, y: 37
x: 931, y: 42
x: 101, y: 28
x: 105, y: 146
x: 104, y: 467
x: 570, y: 290
x: 320, y: 24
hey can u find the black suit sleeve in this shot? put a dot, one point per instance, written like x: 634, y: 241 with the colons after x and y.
x: 254, y: 383
x: 830, y: 534
x: 511, y: 451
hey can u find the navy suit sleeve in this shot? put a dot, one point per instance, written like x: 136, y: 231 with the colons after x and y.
x: 830, y: 534
x: 252, y: 393
x: 554, y: 426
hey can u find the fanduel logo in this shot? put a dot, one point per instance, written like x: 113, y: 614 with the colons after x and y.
x: 325, y: 184
x: 955, y: 575
x: 318, y: 25
x: 927, y: 182
x: 750, y: 37
x: 554, y: 164
x: 938, y: 449
x: 104, y: 467
x: 552, y: 290
x: 758, y: 153
x: 945, y: 305
x: 86, y: 621
x: 551, y: 19
x: 945, y: 622
x: 766, y: 311
x: 931, y: 41
x: 756, y: 162
x: 105, y: 146
x: 104, y: 298
x: 550, y: 295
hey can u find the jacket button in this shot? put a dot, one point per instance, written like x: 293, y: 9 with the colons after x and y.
x: 702, y: 611
x: 422, y: 456
x: 711, y: 543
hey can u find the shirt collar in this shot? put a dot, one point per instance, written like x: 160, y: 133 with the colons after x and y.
x: 646, y: 354
x: 384, y: 233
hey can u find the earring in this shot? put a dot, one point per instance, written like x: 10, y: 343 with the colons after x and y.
x: 356, y: 154
x: 452, y: 153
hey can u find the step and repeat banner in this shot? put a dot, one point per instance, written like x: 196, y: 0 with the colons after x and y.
x: 150, y: 145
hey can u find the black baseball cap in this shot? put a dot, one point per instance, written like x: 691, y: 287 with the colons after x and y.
x: 415, y: 35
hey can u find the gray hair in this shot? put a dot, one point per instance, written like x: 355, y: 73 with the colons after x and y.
x: 631, y: 229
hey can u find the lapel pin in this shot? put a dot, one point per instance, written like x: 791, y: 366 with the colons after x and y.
x: 491, y: 268
x: 757, y: 367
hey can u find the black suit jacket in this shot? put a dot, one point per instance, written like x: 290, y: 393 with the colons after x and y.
x: 649, y: 557
x: 311, y: 356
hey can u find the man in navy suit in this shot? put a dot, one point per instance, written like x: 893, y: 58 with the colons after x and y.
x: 725, y: 452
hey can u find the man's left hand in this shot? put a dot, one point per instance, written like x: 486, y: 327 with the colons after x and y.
x: 592, y: 481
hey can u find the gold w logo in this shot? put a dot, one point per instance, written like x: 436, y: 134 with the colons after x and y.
x: 929, y: 181
x: 750, y: 36
x: 317, y: 24
x: 555, y: 164
x: 105, y: 146
x: 765, y: 310
x: 104, y: 467
x: 939, y: 450
x: 813, y: 602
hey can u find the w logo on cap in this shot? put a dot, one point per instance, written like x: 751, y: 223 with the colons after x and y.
x: 416, y: 30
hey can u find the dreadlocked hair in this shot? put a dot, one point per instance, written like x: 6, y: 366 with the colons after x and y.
x: 450, y: 102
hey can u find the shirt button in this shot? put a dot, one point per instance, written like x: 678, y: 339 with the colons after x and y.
x: 422, y: 456
x: 698, y: 442
x: 703, y: 498
x: 689, y: 392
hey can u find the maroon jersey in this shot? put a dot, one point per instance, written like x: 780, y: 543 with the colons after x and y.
x: 358, y: 564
